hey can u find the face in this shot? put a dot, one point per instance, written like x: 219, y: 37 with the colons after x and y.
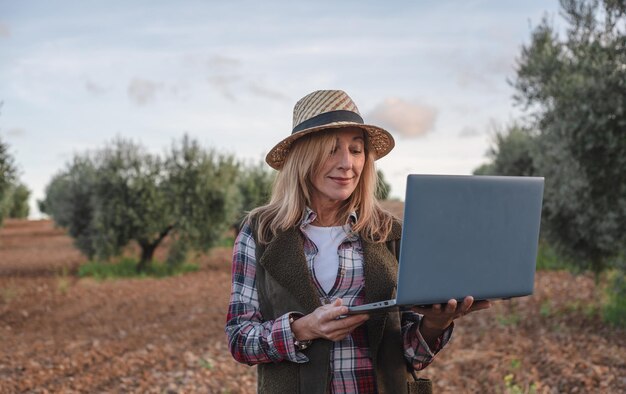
x: 340, y: 172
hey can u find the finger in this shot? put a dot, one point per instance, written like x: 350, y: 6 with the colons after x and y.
x: 451, y: 306
x: 466, y: 305
x: 338, y: 329
x: 351, y: 322
x: 348, y: 326
x: 335, y: 310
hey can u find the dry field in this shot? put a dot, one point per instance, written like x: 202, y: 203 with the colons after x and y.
x: 59, y: 333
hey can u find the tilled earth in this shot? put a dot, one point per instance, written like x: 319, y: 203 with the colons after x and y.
x: 59, y: 333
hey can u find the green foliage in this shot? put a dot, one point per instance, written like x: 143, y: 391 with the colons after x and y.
x: 576, y: 88
x: 122, y: 193
x: 127, y: 268
x: 178, y: 253
x: 484, y: 169
x: 7, y: 177
x: 383, y: 188
x: 614, y: 309
x: 70, y: 202
x: 508, y: 319
x: 8, y: 293
x: 206, y: 364
x: 512, y: 387
x: 254, y: 183
x: 545, y: 310
x: 511, y: 152
x: 550, y: 259
x: 17, y: 201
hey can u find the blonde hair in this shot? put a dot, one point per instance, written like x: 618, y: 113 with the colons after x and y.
x: 292, y: 186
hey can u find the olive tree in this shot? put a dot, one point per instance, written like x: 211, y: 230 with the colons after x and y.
x: 511, y: 152
x: 254, y: 183
x: 69, y: 200
x: 575, y: 89
x: 7, y: 177
x: 17, y: 201
x: 383, y: 188
x: 129, y: 194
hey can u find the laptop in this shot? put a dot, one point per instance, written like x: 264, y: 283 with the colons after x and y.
x: 466, y: 235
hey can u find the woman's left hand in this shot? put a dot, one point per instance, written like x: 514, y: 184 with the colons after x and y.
x: 438, y: 317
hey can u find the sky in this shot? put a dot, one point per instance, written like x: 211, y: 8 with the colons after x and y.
x: 76, y: 75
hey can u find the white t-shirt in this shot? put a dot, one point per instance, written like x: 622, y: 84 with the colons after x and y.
x: 326, y: 262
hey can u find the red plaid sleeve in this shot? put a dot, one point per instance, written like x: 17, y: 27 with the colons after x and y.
x: 251, y: 338
x: 416, y: 350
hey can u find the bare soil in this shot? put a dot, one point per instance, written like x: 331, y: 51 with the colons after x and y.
x: 60, y: 333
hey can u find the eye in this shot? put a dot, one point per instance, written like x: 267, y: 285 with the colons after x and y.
x: 356, y: 150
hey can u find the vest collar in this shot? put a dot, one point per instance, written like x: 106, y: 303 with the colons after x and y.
x: 284, y: 259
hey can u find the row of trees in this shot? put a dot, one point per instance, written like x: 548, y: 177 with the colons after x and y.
x: 122, y: 193
x: 574, y: 92
x: 13, y: 194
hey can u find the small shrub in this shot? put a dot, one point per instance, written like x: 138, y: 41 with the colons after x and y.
x: 549, y: 260
x: 127, y: 268
x: 63, y: 282
x: 205, y: 364
x: 545, y: 310
x: 510, y: 319
x: 582, y: 307
x: 7, y: 294
x: 512, y: 387
x: 614, y: 308
x: 510, y: 316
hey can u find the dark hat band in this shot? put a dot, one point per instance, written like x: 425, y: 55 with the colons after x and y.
x: 327, y: 118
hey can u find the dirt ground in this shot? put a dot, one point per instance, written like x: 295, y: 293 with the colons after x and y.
x: 59, y: 333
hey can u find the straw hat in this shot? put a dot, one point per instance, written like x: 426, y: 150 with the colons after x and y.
x: 328, y: 109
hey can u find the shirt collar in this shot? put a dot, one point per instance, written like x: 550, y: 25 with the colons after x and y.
x: 309, y: 216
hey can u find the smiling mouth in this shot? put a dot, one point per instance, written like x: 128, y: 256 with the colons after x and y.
x: 341, y: 180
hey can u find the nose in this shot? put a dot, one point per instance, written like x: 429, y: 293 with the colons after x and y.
x: 344, y: 158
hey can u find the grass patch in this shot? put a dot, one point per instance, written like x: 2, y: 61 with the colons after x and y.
x: 509, y: 314
x: 127, y: 268
x: 585, y: 308
x: 548, y: 259
x: 512, y: 387
x: 63, y: 282
x: 205, y: 364
x: 509, y: 319
x: 8, y: 293
x: 614, y: 308
x: 545, y: 310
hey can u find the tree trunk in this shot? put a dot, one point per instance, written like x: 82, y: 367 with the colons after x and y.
x: 147, y: 252
x: 148, y: 248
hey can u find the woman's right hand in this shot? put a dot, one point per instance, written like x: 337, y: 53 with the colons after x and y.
x: 325, y: 322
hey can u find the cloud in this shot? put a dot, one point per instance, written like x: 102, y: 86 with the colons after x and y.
x: 265, y: 92
x: 487, y: 73
x: 16, y: 131
x: 143, y: 91
x: 407, y: 118
x: 468, y: 132
x: 224, y: 85
x: 4, y: 31
x: 223, y: 62
x: 94, y: 88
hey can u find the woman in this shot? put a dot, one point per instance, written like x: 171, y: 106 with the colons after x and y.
x: 323, y: 243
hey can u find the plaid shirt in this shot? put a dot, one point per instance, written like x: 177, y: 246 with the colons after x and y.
x: 254, y: 340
